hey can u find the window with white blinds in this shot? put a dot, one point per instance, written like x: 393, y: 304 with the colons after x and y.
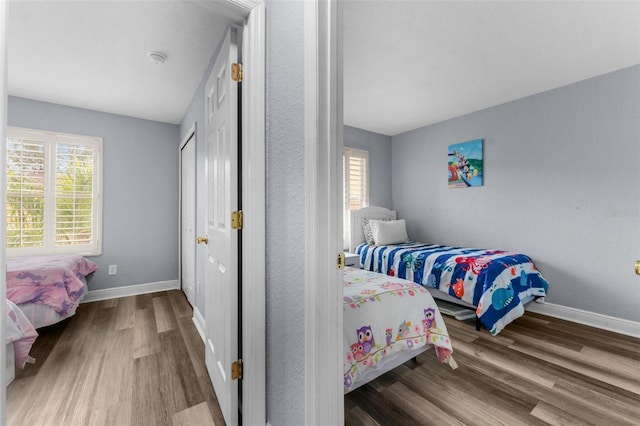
x: 54, y: 202
x: 356, y: 184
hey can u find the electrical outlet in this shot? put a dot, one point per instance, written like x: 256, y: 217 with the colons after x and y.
x: 113, y: 269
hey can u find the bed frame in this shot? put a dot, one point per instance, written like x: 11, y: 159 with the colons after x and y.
x: 356, y: 236
x: 10, y: 366
x: 386, y: 366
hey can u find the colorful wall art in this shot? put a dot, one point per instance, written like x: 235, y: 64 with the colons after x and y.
x: 465, y: 164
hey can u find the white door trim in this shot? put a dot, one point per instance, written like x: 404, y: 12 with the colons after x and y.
x: 252, y: 15
x: 324, y: 403
x: 253, y: 207
x: 3, y: 227
x: 254, y: 396
x: 187, y: 137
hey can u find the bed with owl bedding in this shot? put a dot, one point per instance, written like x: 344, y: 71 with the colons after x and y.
x: 387, y: 321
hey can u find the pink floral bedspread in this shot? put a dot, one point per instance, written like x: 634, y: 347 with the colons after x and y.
x: 56, y: 280
x: 20, y: 332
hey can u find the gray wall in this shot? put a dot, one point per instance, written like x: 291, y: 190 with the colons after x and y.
x: 379, y: 147
x: 285, y: 212
x: 140, y: 172
x: 561, y: 184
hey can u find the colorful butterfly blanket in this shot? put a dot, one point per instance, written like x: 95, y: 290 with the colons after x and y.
x: 56, y: 281
x: 494, y: 281
x: 384, y: 317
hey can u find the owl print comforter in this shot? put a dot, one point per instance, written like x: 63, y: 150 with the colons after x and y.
x: 385, y: 317
x: 496, y: 282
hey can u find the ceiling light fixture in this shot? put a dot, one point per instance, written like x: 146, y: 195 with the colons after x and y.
x: 157, y: 57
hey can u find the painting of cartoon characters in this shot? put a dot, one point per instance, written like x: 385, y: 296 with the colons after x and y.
x: 465, y: 164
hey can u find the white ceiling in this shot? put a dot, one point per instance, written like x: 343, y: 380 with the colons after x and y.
x: 411, y: 64
x: 93, y: 54
x: 406, y: 64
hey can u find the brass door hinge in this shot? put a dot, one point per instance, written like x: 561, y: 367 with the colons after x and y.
x: 236, y: 219
x: 236, y: 72
x: 341, y: 261
x: 236, y: 370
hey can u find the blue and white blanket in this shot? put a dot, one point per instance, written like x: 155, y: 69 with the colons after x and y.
x: 494, y: 281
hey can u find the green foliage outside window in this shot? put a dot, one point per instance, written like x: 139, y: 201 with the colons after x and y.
x: 26, y: 193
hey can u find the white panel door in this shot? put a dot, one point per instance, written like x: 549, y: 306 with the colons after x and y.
x: 188, y: 217
x: 221, y: 286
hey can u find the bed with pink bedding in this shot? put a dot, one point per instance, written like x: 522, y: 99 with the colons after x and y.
x: 47, y: 289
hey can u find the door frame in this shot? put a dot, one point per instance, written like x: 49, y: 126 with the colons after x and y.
x: 191, y: 133
x: 3, y: 190
x: 324, y: 400
x: 254, y: 396
x: 253, y: 283
x: 251, y: 16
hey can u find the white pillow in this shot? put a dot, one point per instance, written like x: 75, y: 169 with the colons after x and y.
x: 391, y: 232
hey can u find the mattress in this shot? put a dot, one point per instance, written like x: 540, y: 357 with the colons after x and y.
x: 43, y: 315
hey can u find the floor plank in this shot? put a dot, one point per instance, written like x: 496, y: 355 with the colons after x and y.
x: 538, y: 370
x: 139, y: 360
x: 131, y: 361
x: 417, y: 407
x: 196, y: 415
x: 145, y: 338
x: 164, y: 314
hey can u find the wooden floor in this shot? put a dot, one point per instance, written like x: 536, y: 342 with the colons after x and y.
x: 140, y: 361
x: 537, y: 371
x: 131, y: 361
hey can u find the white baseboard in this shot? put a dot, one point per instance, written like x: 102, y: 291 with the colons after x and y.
x: 592, y: 319
x: 198, y: 320
x: 130, y: 290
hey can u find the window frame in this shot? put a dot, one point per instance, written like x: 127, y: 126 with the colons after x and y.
x: 50, y: 140
x: 347, y: 154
